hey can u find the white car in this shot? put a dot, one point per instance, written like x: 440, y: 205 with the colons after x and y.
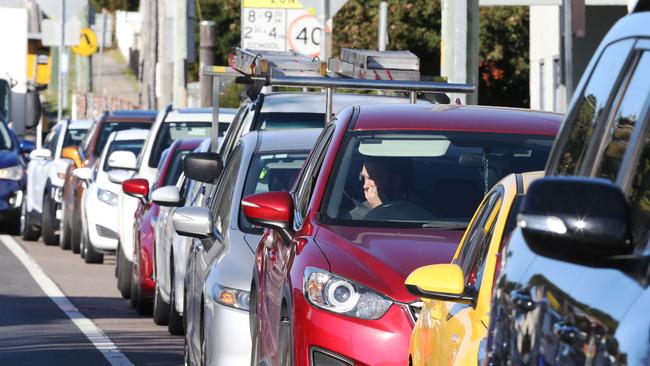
x: 45, y: 173
x: 99, y: 200
x: 170, y: 125
x: 171, y: 249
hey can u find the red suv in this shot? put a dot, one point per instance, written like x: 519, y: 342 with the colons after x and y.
x: 387, y: 189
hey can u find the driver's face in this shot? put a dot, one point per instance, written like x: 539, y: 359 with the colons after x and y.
x: 370, y: 189
x: 367, y: 181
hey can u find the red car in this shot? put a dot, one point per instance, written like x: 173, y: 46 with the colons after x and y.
x: 387, y: 189
x: 170, y: 168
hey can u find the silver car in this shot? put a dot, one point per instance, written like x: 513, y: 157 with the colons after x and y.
x: 218, y: 277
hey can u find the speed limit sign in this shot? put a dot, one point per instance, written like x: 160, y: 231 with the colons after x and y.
x: 305, y: 34
x: 280, y: 25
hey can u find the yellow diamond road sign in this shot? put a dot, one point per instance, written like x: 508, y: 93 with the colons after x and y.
x: 88, y: 43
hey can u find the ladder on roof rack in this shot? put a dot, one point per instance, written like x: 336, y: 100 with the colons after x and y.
x: 354, y: 69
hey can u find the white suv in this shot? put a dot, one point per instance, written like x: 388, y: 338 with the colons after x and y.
x: 45, y: 173
x: 170, y: 125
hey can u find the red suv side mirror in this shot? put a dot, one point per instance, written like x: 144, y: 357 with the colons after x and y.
x: 270, y: 209
x: 138, y: 188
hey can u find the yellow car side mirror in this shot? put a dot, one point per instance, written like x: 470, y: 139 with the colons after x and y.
x: 444, y: 282
x: 71, y: 153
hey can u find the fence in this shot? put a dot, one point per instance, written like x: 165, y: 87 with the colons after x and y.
x: 89, y: 106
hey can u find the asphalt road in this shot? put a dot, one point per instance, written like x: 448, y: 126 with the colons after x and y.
x: 35, y: 317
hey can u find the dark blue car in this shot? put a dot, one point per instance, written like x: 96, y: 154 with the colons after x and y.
x: 12, y: 175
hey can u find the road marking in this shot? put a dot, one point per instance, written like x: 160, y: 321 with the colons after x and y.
x: 95, y: 335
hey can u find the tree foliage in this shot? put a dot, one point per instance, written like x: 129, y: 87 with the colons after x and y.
x: 413, y: 25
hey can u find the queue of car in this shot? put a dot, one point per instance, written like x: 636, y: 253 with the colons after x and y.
x: 393, y: 231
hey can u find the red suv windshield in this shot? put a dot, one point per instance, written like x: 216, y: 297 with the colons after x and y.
x: 420, y: 179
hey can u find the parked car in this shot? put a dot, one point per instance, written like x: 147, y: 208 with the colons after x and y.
x: 85, y: 155
x: 45, y: 172
x: 387, y: 189
x: 99, y: 232
x: 171, y: 248
x: 452, y: 326
x: 12, y: 175
x: 146, y: 226
x: 574, y: 286
x: 171, y: 125
x: 218, y: 273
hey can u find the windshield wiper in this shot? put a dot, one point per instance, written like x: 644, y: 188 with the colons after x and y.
x: 450, y: 225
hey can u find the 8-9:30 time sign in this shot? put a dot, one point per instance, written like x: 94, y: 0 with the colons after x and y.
x: 280, y: 25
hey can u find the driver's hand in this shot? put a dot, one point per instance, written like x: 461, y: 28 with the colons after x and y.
x: 372, y: 196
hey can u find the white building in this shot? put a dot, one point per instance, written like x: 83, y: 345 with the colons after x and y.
x: 547, y: 91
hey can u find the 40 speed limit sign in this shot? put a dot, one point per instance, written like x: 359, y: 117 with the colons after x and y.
x: 280, y: 25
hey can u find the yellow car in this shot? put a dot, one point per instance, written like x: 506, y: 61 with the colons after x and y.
x: 452, y: 326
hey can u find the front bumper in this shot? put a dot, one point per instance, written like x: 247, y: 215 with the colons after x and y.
x: 325, y: 338
x: 228, y: 335
x: 102, y: 224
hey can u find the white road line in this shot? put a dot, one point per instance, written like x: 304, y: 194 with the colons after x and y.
x: 95, y: 335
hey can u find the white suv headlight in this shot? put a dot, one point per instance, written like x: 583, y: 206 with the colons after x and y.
x: 340, y: 295
x: 107, y: 197
x: 12, y: 173
x: 231, y: 297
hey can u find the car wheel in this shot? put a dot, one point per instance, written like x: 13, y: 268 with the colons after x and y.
x: 82, y: 245
x: 175, y: 325
x: 254, y: 325
x: 90, y: 255
x: 27, y: 229
x: 285, y: 338
x: 64, y: 237
x: 123, y: 275
x: 142, y: 304
x: 48, y: 224
x: 160, y: 308
x: 75, y: 230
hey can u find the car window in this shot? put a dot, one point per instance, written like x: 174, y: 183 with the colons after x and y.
x: 431, y: 179
x: 280, y: 120
x: 306, y: 181
x: 630, y: 108
x: 133, y: 146
x: 175, y: 168
x: 270, y: 172
x: 223, y: 197
x: 110, y: 127
x: 172, y: 131
x: 473, y: 252
x: 589, y: 110
x: 50, y: 141
x: 233, y: 132
x: 73, y: 137
x: 639, y: 197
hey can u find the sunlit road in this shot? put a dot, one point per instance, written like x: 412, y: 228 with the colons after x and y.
x: 36, y: 325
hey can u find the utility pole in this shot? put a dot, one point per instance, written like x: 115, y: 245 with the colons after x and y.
x: 208, y: 35
x: 383, y: 26
x: 179, y: 88
x: 459, y: 45
x: 326, y: 40
x: 62, y: 66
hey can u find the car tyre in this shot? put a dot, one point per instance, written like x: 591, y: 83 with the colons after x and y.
x: 175, y: 325
x: 64, y: 236
x: 285, y: 337
x: 27, y: 229
x: 89, y: 253
x: 75, y: 231
x: 123, y: 274
x: 48, y: 225
x: 142, y: 305
x: 160, y: 308
x: 253, y: 322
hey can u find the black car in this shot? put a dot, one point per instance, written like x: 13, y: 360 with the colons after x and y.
x: 573, y: 289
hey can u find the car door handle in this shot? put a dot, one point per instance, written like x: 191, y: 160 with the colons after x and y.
x: 566, y: 332
x: 522, y: 300
x: 272, y: 255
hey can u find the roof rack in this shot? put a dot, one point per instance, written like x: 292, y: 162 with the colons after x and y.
x: 376, y: 65
x: 354, y: 69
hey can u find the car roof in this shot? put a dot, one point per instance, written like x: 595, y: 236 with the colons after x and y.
x: 632, y: 25
x: 315, y: 102
x: 226, y: 115
x: 467, y: 118
x: 134, y: 115
x: 282, y: 140
x: 80, y: 124
x: 131, y: 134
